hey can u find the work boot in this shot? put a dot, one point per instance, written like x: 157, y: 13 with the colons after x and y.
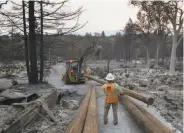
x: 105, y: 122
x: 115, y: 123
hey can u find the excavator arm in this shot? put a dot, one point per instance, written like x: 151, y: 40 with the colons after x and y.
x: 89, y: 51
x: 73, y: 76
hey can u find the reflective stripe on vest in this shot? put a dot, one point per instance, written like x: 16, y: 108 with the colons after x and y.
x: 111, y: 92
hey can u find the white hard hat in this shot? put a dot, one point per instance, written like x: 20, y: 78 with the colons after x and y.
x: 109, y: 77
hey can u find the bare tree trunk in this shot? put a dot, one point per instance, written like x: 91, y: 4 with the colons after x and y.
x: 3, y: 3
x: 133, y: 52
x: 25, y: 42
x: 85, y: 65
x: 129, y: 54
x: 41, y: 45
x: 100, y: 56
x: 10, y: 55
x: 157, y: 52
x: 108, y: 62
x: 163, y: 53
x: 173, y: 55
x: 136, y: 57
x: 126, y: 52
x: 32, y: 42
x: 148, y: 58
x: 49, y: 57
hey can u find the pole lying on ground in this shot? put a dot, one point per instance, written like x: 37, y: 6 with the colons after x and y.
x: 95, y: 79
x: 140, y: 118
x: 77, y: 124
x: 153, y: 119
x: 147, y: 100
x: 91, y: 122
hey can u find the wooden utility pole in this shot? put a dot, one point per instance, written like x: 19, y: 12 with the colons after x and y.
x: 32, y: 43
x: 108, y: 62
x: 78, y: 123
x: 49, y: 57
x: 91, y: 122
x: 139, y: 116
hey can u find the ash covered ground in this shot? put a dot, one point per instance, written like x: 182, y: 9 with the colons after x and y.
x: 166, y: 89
x: 64, y: 112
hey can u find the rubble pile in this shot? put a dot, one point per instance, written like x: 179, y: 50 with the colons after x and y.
x: 15, y: 98
x: 8, y: 115
x: 16, y: 71
x: 64, y: 113
x: 14, y: 101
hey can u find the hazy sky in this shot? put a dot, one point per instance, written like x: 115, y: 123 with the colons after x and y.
x: 108, y: 15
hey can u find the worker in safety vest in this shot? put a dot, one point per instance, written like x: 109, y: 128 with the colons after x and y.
x: 111, y: 91
x: 88, y: 71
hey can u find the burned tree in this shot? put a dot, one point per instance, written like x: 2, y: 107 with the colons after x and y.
x: 144, y: 27
x: 129, y: 44
x: 32, y: 44
x: 56, y: 20
x: 174, y: 12
x: 25, y: 42
x: 41, y: 43
x: 3, y: 3
x: 162, y: 15
x: 159, y: 23
x: 41, y: 21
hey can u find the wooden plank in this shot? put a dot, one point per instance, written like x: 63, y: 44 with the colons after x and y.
x: 153, y: 119
x: 91, y: 122
x: 49, y: 112
x: 77, y: 124
x: 139, y: 117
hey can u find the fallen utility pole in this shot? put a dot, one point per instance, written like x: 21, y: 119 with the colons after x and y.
x: 147, y: 100
x: 77, y: 124
x: 140, y: 118
x: 91, y: 123
x: 153, y: 119
x: 95, y: 79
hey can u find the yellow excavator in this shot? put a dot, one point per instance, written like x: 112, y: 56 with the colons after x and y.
x: 74, y: 74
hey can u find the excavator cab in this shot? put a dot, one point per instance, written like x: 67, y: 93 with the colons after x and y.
x: 74, y: 72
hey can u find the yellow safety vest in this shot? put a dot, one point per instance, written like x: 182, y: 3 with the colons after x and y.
x: 111, y: 92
